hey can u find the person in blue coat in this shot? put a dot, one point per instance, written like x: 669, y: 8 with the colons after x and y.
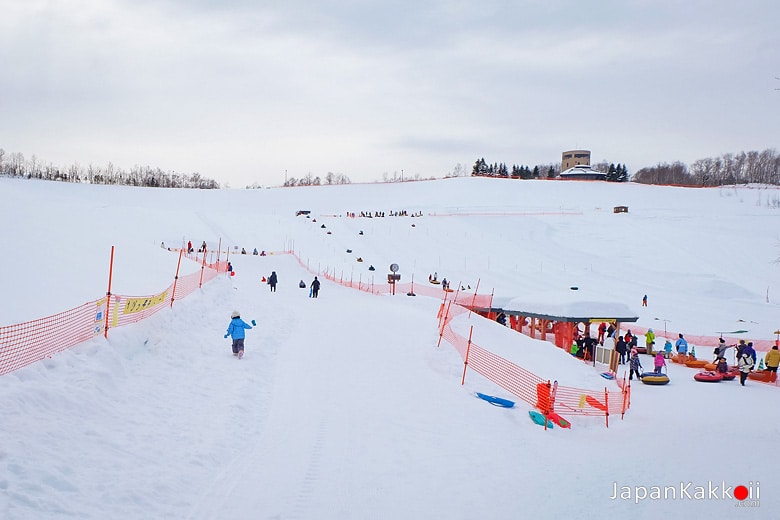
x: 236, y: 331
x: 750, y: 351
x: 681, y: 345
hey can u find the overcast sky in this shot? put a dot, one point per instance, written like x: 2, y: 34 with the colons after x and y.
x: 242, y: 91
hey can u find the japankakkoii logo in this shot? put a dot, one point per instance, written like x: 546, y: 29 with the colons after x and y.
x: 744, y: 495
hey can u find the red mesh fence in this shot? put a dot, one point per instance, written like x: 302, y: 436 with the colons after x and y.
x: 761, y: 345
x: 526, y: 385
x: 25, y: 343
x: 514, y: 379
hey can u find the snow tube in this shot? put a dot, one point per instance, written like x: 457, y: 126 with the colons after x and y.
x: 595, y: 403
x: 557, y: 419
x: 496, y: 401
x: 760, y: 375
x: 728, y: 376
x: 695, y: 363
x: 539, y: 418
x: 708, y: 376
x: 712, y: 367
x: 651, y: 378
x: 437, y: 282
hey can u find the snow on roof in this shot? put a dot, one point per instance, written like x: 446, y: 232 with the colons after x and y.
x: 582, y: 169
x: 571, y: 305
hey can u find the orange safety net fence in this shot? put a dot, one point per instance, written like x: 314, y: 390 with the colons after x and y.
x: 32, y: 341
x: 518, y: 381
x: 527, y: 386
x: 25, y: 343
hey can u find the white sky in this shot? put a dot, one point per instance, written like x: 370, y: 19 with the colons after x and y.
x: 243, y: 91
x: 343, y: 407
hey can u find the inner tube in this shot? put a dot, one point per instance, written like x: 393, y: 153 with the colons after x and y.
x: 695, y: 363
x: 708, y: 376
x: 651, y: 378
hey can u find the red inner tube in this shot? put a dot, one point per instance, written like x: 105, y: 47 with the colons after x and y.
x: 708, y: 376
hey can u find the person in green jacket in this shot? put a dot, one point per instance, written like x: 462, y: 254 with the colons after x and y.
x: 649, y: 340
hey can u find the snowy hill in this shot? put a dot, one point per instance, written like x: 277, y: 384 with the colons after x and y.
x: 343, y: 407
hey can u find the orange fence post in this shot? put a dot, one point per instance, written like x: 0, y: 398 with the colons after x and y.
x: 108, y: 293
x: 552, y: 404
x: 466, y: 360
x: 606, y: 406
x: 474, y: 298
x: 202, y: 268
x: 443, y: 323
x: 176, y: 279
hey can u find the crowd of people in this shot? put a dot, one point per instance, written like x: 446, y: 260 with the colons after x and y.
x: 379, y: 214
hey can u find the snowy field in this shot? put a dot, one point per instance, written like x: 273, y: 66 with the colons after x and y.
x: 343, y: 407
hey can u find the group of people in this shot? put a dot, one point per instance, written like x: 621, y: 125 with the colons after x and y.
x: 368, y: 214
x: 190, y: 249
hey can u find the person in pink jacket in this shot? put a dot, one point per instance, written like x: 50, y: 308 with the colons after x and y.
x: 659, y: 361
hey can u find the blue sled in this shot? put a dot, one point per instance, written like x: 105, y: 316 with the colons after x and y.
x: 496, y: 401
x: 539, y: 419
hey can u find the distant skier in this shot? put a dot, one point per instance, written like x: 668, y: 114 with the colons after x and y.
x: 236, y: 330
x: 644, y: 301
x: 272, y: 281
x: 315, y: 288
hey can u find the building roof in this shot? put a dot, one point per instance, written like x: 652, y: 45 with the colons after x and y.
x: 583, y: 171
x: 565, y: 306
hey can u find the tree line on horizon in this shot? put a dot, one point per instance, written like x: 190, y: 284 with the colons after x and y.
x: 751, y: 167
x: 742, y: 168
x: 615, y: 173
x: 15, y: 165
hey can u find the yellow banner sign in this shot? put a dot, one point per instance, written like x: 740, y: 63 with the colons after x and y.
x: 139, y: 304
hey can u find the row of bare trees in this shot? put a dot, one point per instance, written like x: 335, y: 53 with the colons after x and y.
x: 15, y: 165
x: 741, y: 168
x: 314, y: 180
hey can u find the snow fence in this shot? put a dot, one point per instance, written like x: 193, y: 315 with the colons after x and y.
x: 28, y: 342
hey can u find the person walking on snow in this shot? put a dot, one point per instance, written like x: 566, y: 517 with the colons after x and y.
x: 621, y: 349
x: 236, y: 330
x: 750, y: 351
x: 644, y: 301
x: 315, y: 287
x: 602, y: 331
x: 272, y: 281
x: 681, y: 345
x: 772, y: 360
x: 745, y: 366
x: 649, y: 340
x: 659, y: 362
x: 634, y: 365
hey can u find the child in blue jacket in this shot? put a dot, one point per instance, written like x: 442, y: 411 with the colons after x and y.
x: 236, y: 330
